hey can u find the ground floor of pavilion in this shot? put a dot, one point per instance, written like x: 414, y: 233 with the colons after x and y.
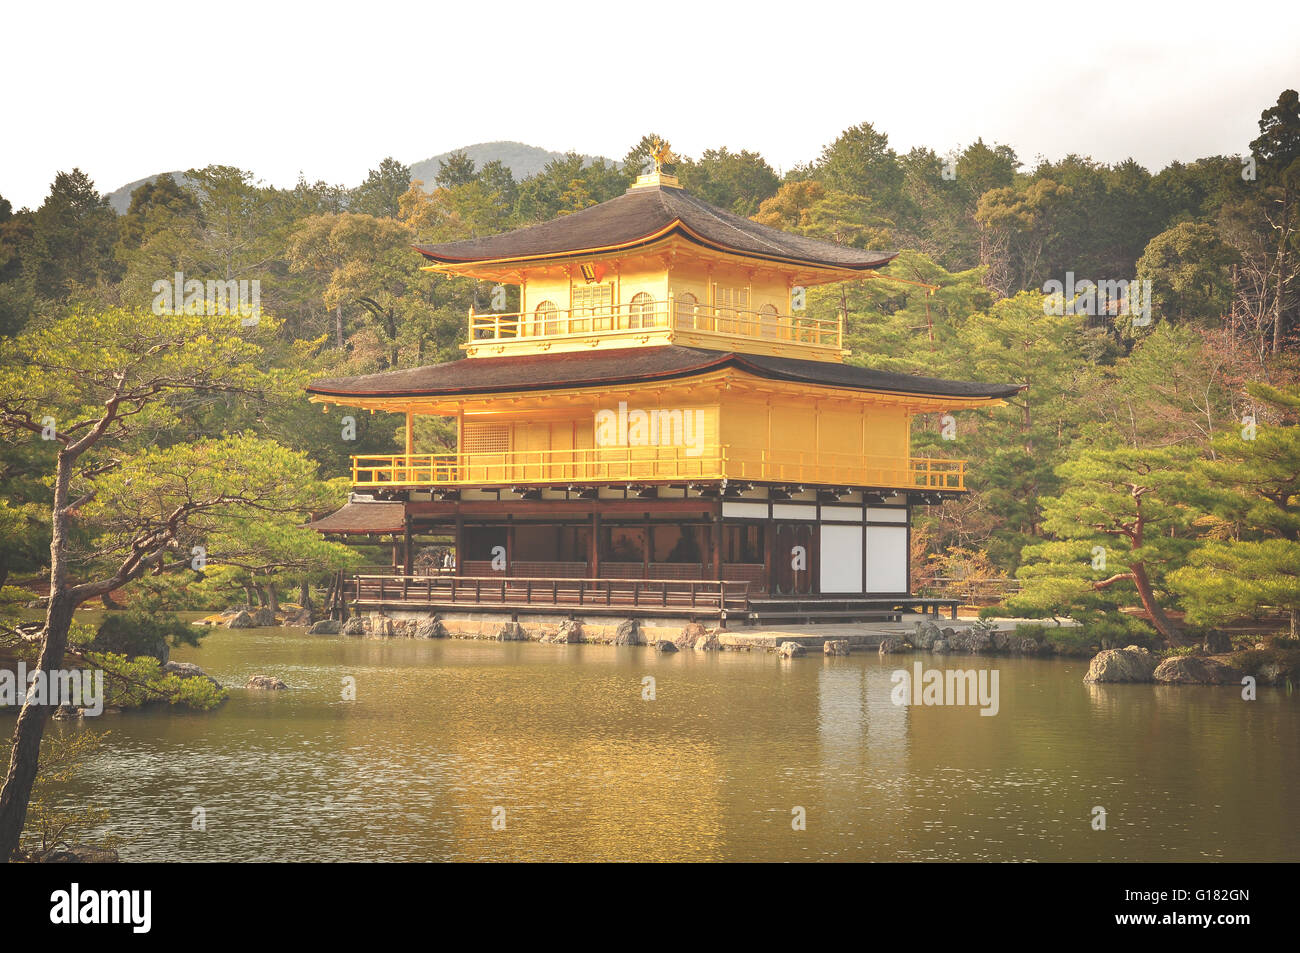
x: 706, y: 549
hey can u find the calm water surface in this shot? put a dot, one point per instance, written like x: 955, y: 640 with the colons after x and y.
x: 442, y: 732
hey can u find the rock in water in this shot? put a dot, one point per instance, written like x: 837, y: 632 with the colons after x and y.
x: 666, y: 646
x: 835, y: 647
x: 570, y: 632
x: 269, y: 682
x: 326, y: 627
x: 925, y: 635
x: 355, y: 626
x: 940, y: 646
x: 430, y: 629
x: 241, y: 620
x: 628, y: 633
x: 187, y: 670
x: 512, y: 632
x: 691, y: 633
x: 790, y: 650
x: 708, y: 642
x: 265, y: 618
x: 1129, y: 664
x: 302, y: 618
x: 973, y: 641
x: 890, y: 645
x: 1190, y: 670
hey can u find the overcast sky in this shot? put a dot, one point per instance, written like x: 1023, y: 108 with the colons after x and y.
x: 130, y: 89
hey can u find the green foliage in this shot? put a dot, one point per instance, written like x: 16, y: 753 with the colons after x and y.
x: 138, y: 633
x: 136, y: 682
x: 1190, y: 270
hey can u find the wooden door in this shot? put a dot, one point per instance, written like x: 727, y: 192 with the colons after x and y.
x: 794, y: 558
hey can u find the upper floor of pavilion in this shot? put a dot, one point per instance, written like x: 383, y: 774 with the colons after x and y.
x: 655, y: 266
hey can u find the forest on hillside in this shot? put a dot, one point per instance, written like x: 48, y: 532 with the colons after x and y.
x: 1144, y: 481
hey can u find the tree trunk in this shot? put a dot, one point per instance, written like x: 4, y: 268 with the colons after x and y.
x: 338, y: 324
x: 24, y: 759
x: 1164, y: 625
x: 109, y: 603
x: 304, y: 595
x: 272, y: 597
x: 1284, y: 237
x: 248, y: 596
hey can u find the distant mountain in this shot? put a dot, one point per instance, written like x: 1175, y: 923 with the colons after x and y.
x: 522, y: 160
x: 121, y: 198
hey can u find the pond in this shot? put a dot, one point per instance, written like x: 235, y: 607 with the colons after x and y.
x: 465, y: 750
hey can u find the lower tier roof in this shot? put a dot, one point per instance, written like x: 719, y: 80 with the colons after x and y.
x: 525, y: 372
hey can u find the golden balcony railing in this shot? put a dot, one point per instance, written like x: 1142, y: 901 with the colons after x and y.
x: 677, y: 314
x: 796, y: 466
x: 618, y: 464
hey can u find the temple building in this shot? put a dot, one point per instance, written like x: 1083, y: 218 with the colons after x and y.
x: 660, y: 427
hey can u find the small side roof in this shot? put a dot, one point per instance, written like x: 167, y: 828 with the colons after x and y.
x: 363, y: 517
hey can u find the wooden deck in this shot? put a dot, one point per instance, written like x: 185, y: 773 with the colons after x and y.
x: 826, y: 608
x: 645, y: 597
x: 384, y: 588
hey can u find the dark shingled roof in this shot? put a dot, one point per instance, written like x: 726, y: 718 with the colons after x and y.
x: 363, y: 517
x: 643, y: 212
x: 487, y: 375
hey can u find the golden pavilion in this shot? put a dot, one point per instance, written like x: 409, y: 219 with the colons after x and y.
x: 658, y: 429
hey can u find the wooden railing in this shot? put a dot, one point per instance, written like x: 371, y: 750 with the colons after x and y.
x: 676, y: 314
x: 616, y: 464
x: 674, y: 595
x: 797, y: 466
x: 597, y: 465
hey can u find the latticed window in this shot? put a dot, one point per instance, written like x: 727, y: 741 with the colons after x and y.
x: 641, y: 313
x: 768, y: 323
x: 548, y: 318
x: 485, y: 438
x: 731, y: 302
x: 595, y: 302
x: 684, y: 306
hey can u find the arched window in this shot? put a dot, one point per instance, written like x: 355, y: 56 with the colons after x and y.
x: 768, y: 324
x: 548, y: 321
x: 641, y: 313
x: 684, y: 306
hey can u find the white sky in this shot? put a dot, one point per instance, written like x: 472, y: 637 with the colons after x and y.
x: 126, y: 90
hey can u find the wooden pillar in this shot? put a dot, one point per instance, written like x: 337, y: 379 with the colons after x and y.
x: 593, y: 561
x: 510, y: 548
x: 717, y: 542
x: 406, y: 561
x: 410, y: 434
x: 645, y: 550
x: 459, y: 544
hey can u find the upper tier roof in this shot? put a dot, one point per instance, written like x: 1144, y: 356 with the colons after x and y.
x: 527, y: 372
x: 648, y: 213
